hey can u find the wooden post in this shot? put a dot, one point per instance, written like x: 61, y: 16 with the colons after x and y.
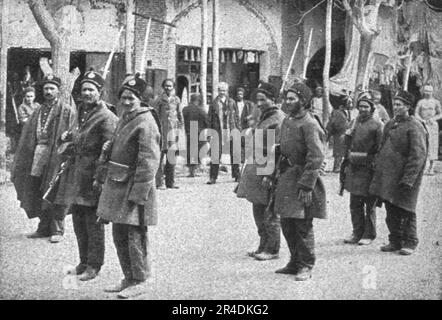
x: 286, y: 77
x: 3, y: 82
x: 327, y: 61
x: 203, y: 75
x: 407, y: 71
x: 130, y: 39
x: 215, y: 50
x: 307, y: 54
x: 142, y: 67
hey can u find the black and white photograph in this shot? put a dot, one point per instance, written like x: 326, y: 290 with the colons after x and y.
x: 220, y: 155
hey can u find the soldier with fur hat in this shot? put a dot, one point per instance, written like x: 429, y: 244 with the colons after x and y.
x: 399, y: 168
x: 128, y: 198
x: 300, y: 192
x: 363, y: 141
x: 36, y: 160
x: 253, y: 185
x: 95, y: 125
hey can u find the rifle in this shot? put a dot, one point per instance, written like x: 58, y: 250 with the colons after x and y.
x: 274, y: 177
x: 14, y: 104
x: 342, y: 175
x: 51, y: 193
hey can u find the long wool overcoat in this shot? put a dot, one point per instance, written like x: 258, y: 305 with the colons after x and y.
x: 30, y: 194
x: 364, y: 138
x: 76, y: 185
x: 129, y: 192
x: 401, y: 160
x: 302, y: 140
x: 250, y: 186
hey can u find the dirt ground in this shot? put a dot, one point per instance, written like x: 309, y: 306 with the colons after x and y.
x: 199, y: 252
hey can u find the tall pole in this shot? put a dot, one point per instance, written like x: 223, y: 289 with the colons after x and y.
x: 203, y: 75
x: 327, y: 61
x: 3, y: 81
x: 130, y: 39
x: 215, y: 50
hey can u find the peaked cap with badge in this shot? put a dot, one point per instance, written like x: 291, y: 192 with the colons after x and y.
x: 134, y: 84
x: 93, y: 77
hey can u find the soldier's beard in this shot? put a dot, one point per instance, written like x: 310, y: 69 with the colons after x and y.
x: 295, y: 108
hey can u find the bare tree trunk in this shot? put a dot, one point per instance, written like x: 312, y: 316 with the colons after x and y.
x: 60, y: 45
x: 364, y: 55
x: 327, y: 61
x: 130, y: 39
x: 203, y: 75
x: 215, y: 50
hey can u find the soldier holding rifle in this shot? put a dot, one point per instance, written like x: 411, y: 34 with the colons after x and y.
x: 36, y: 160
x: 300, y: 192
x: 254, y: 186
x: 96, y: 125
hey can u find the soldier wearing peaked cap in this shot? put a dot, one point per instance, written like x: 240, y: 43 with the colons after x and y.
x: 129, y: 198
x: 36, y: 160
x: 79, y: 188
x: 399, y: 168
x: 300, y: 192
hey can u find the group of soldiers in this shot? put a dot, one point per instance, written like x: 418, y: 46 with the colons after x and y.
x: 381, y: 165
x: 104, y: 168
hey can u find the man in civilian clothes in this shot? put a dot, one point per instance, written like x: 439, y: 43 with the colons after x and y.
x: 128, y: 198
x: 399, y: 168
x: 363, y: 142
x: 223, y: 117
x: 300, y: 193
x: 96, y: 125
x: 167, y: 106
x: 194, y: 113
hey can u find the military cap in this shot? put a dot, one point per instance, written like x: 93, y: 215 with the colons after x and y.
x: 268, y: 89
x: 50, y: 78
x: 93, y: 77
x: 302, y: 91
x: 134, y: 84
x: 366, y: 101
x: 405, y: 97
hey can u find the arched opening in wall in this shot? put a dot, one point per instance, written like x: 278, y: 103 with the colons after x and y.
x: 182, y: 87
x: 315, y: 66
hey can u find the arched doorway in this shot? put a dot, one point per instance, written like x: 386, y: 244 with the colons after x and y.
x: 182, y: 87
x: 315, y: 66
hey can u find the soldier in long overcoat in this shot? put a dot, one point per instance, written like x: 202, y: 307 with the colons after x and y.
x: 336, y: 127
x: 398, y: 174
x: 222, y: 118
x: 363, y: 142
x: 167, y: 106
x: 251, y: 185
x: 128, y: 198
x: 36, y: 160
x: 96, y: 125
x: 300, y: 193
